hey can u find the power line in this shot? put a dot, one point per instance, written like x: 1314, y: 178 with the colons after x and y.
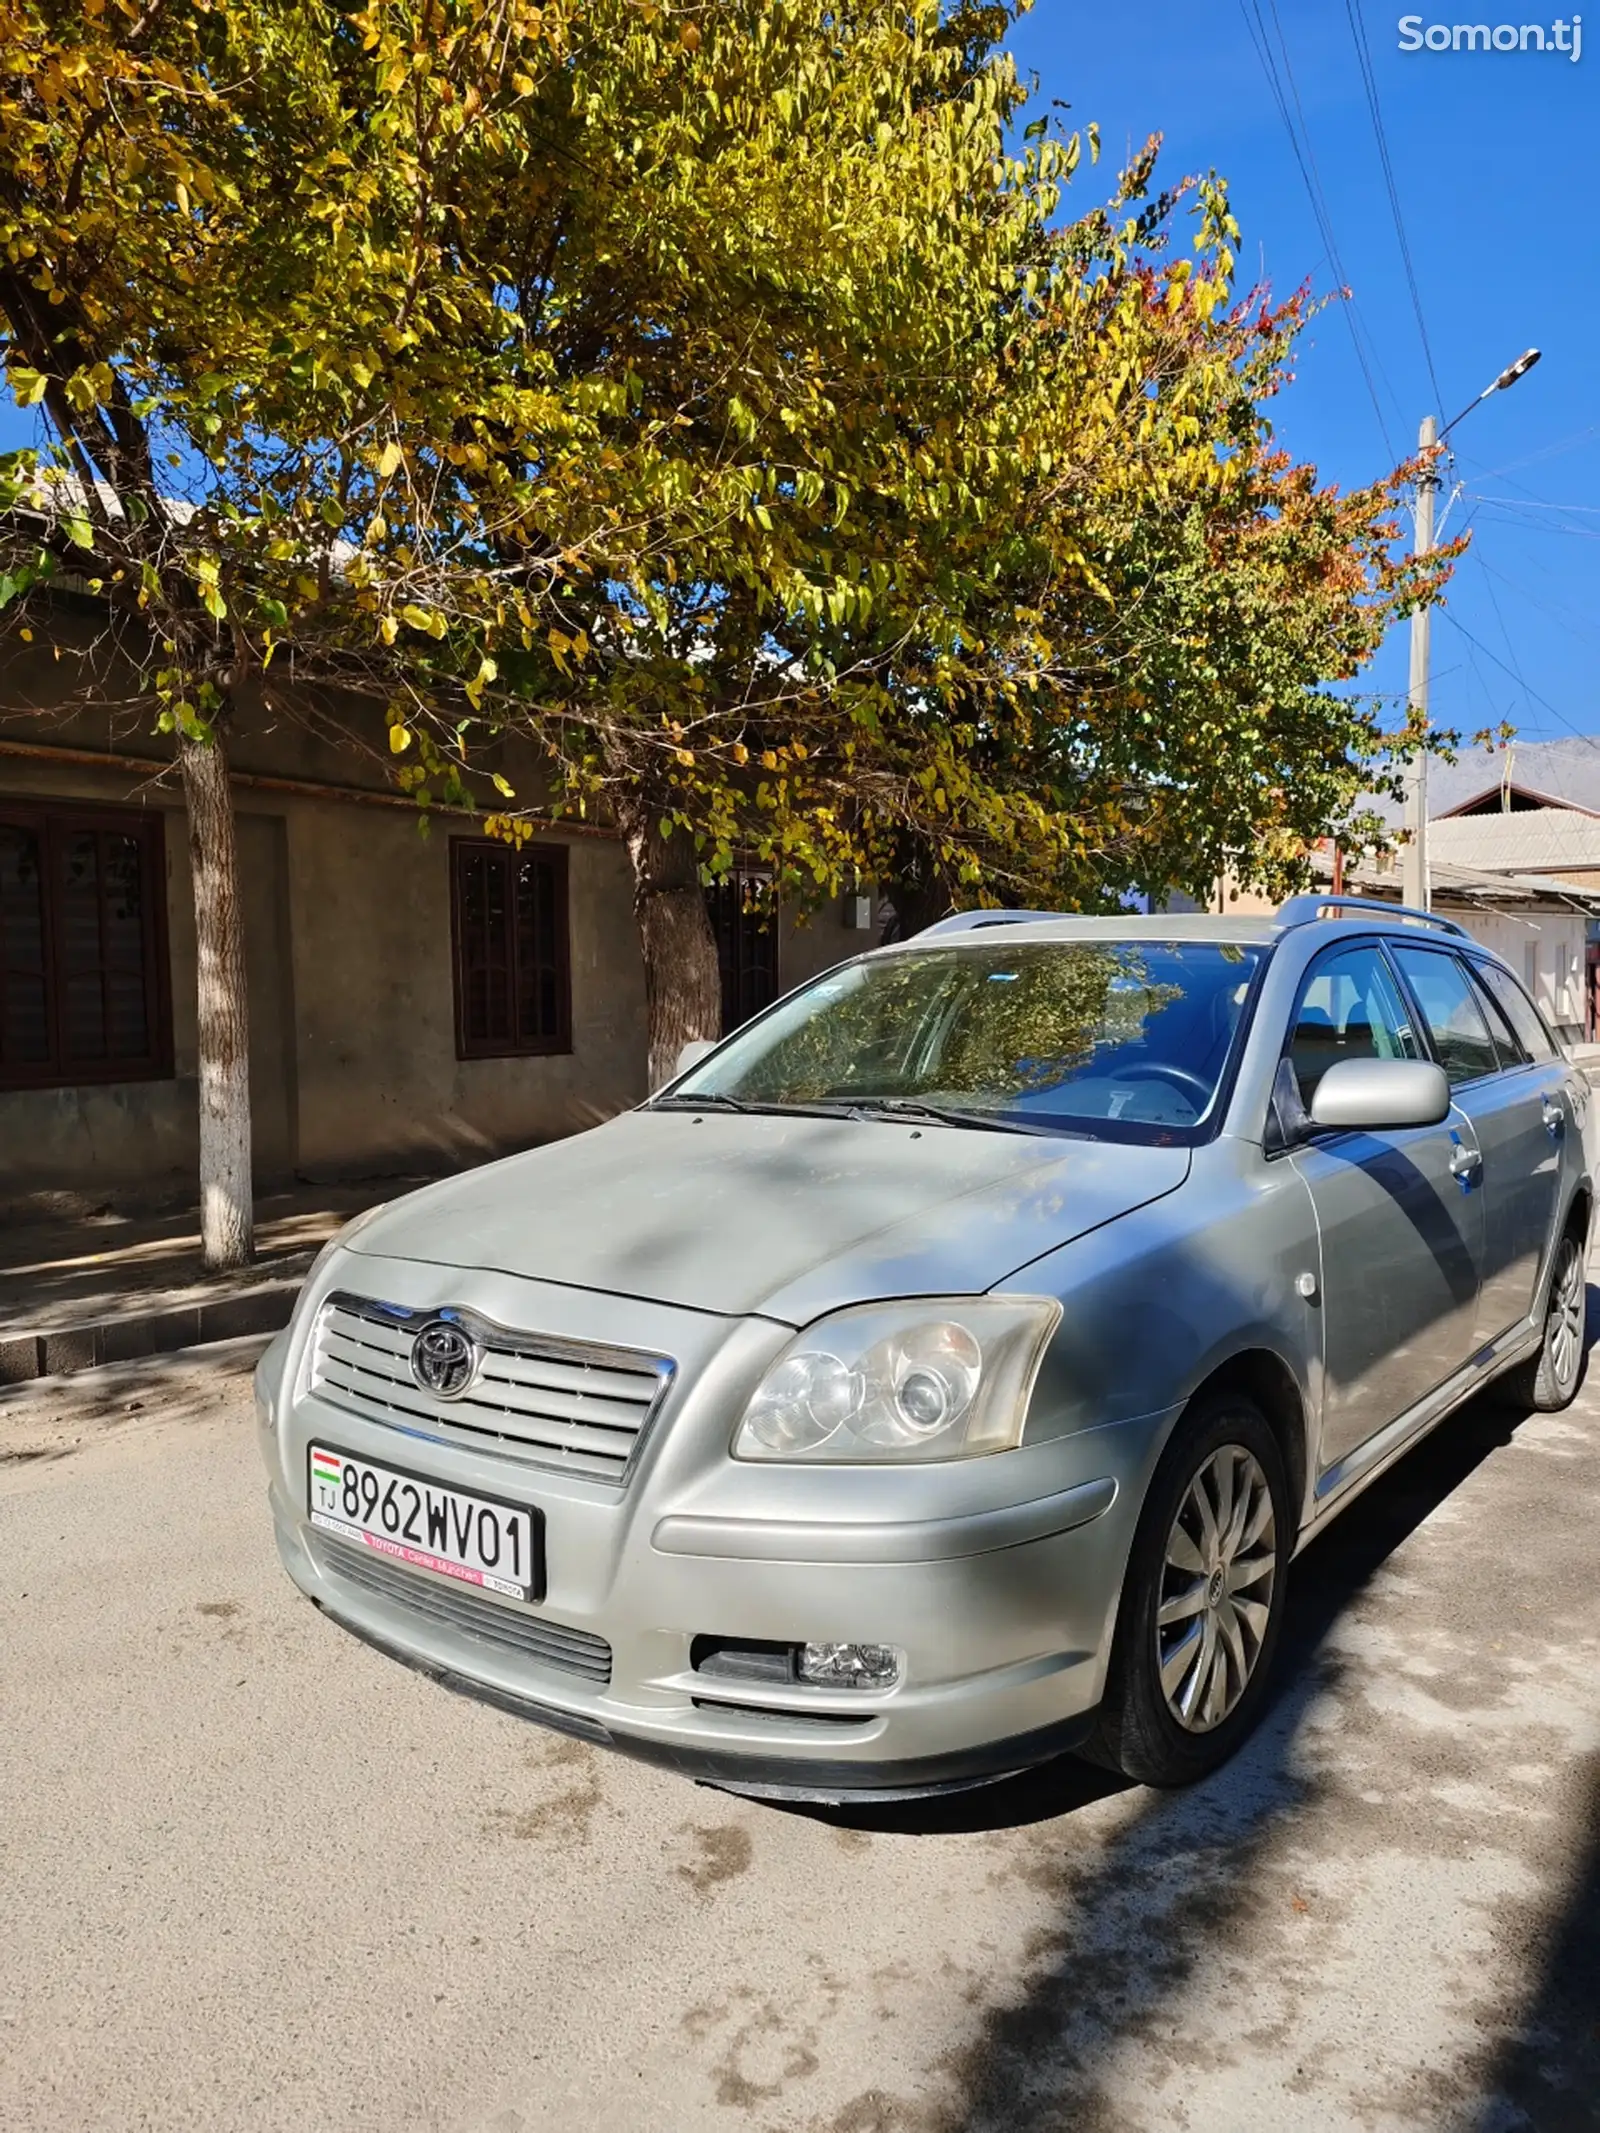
x: 1305, y: 157
x: 1532, y: 496
x: 1589, y: 739
x: 1537, y: 503
x: 1369, y: 82
x: 1500, y: 517
x: 1563, y: 616
x: 1505, y: 634
x: 1568, y: 443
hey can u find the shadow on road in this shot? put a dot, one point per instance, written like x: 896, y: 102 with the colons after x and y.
x: 1175, y: 1892
x: 1330, y: 1574
x: 1547, y: 2074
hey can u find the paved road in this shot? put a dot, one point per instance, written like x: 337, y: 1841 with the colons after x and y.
x: 255, y: 1876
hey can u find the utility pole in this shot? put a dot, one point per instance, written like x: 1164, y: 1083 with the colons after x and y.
x: 1417, y: 885
x: 1418, y: 892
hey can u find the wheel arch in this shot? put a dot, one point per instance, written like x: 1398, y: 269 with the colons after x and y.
x: 1580, y: 1211
x: 1264, y: 1378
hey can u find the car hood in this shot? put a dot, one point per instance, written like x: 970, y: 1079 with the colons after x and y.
x: 781, y: 1215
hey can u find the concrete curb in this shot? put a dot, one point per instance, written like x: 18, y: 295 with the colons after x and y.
x: 131, y: 1335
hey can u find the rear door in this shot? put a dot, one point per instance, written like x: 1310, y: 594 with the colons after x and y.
x: 1517, y: 1108
x: 1541, y: 1071
x: 1398, y: 1216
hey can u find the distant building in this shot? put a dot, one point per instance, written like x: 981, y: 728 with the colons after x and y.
x: 1514, y: 852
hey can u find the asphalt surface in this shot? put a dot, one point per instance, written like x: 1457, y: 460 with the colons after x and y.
x: 252, y: 1875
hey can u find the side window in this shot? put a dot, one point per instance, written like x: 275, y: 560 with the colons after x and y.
x: 1350, y: 1008
x: 1449, y: 1006
x: 1510, y: 1052
x: 1518, y: 1009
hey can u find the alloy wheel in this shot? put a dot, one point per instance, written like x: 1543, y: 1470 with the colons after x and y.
x: 1217, y: 1582
x: 1564, y: 1328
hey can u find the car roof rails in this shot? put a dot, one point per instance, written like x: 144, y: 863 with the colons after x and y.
x: 1305, y: 910
x: 970, y: 921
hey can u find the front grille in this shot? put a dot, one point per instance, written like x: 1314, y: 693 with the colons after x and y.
x: 578, y: 1408
x: 571, y: 1651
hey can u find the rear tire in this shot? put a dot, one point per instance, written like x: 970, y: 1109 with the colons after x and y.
x: 1202, y: 1603
x: 1549, y: 1381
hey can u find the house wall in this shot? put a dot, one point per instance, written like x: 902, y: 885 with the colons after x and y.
x: 352, y: 1009
x: 349, y: 969
x: 811, y: 942
x: 1545, y: 947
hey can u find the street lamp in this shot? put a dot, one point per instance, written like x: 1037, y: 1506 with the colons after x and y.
x: 1429, y: 438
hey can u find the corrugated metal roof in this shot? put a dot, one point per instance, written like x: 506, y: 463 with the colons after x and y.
x: 1490, y: 888
x: 1533, y: 841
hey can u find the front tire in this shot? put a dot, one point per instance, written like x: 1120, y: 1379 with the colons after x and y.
x: 1202, y: 1604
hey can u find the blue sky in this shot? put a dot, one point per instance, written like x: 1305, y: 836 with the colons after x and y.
x: 1496, y: 162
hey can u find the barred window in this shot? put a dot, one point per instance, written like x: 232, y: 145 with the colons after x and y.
x: 513, y: 966
x: 83, y: 978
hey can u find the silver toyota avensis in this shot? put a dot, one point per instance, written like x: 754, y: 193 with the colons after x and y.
x: 943, y: 1372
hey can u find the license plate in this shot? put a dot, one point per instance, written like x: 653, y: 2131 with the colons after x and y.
x: 478, y: 1540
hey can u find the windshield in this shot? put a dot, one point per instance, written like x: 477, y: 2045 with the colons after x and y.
x: 1120, y: 1039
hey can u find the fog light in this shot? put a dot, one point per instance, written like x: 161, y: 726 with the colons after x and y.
x: 850, y: 1666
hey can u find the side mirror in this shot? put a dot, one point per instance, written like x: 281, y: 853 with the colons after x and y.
x: 693, y: 1052
x: 1381, y: 1095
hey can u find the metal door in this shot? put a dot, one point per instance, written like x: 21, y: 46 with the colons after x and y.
x: 1516, y: 1114
x: 1522, y: 1122
x: 1399, y: 1215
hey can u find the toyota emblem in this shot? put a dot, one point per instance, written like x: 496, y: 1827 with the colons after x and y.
x: 443, y: 1360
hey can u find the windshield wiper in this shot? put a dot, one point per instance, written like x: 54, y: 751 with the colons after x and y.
x: 701, y: 1103
x: 913, y: 1109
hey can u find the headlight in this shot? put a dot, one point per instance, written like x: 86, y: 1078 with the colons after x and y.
x: 939, y: 1380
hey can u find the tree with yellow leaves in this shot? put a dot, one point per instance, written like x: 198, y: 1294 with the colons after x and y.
x: 712, y: 393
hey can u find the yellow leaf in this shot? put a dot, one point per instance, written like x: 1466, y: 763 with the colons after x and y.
x: 388, y: 629
x: 389, y: 458
x: 502, y: 787
x: 399, y: 738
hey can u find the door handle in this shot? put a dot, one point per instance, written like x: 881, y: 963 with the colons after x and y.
x: 1466, y: 1162
x: 1555, y: 1118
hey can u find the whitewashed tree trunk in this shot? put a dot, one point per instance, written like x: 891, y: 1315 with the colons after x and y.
x: 682, y: 984
x: 227, y: 1235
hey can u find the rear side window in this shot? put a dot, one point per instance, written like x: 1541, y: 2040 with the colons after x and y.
x: 1505, y: 1042
x: 1350, y: 1008
x: 1449, y: 1007
x: 1518, y: 1009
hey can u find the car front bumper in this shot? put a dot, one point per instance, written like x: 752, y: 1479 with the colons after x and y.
x: 1000, y: 1593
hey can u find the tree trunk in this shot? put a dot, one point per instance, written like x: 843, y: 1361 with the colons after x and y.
x: 682, y: 984
x: 226, y: 1212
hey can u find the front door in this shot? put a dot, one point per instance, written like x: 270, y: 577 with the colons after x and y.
x: 1516, y: 1101
x: 1399, y: 1215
